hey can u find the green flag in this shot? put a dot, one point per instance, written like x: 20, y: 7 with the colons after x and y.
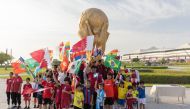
x: 31, y: 63
x: 28, y: 65
x: 112, y: 63
x: 77, y: 66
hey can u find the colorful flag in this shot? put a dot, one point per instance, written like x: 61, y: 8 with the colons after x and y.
x: 98, y: 52
x: 112, y: 63
x: 21, y: 60
x: 31, y: 63
x: 88, y: 55
x: 89, y: 43
x: 74, y: 67
x: 84, y: 44
x: 79, y: 55
x: 67, y: 48
x: 113, y: 52
x: 37, y: 70
x: 42, y: 56
x: 40, y: 90
x: 38, y: 55
x: 28, y: 91
x: 67, y: 45
x: 31, y: 90
x: 61, y: 45
x: 21, y: 66
x: 65, y: 63
x: 61, y: 51
x: 18, y: 67
x: 47, y: 58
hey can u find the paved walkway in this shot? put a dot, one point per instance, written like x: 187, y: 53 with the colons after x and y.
x: 165, y: 102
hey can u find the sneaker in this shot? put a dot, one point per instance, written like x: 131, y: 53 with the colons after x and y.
x: 28, y: 107
x: 8, y: 107
x: 34, y: 106
x: 38, y: 106
x: 18, y: 107
x: 13, y: 106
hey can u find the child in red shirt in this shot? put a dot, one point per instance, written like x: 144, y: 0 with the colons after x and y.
x: 109, y: 90
x: 8, y: 89
x: 133, y: 77
x: 27, y: 97
x: 130, y: 98
x: 48, y: 93
x: 58, y: 96
x: 66, y: 94
x: 16, y: 91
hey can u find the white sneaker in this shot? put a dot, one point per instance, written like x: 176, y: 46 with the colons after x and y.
x: 13, y: 106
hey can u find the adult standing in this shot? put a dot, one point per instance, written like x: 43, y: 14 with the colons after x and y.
x: 16, y: 91
x: 101, y: 68
x: 8, y: 89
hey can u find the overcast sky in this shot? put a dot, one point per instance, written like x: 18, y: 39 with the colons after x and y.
x: 28, y: 25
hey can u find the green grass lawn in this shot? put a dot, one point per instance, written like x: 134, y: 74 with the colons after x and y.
x: 3, y: 71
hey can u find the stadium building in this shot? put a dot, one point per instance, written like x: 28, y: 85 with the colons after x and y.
x: 154, y: 54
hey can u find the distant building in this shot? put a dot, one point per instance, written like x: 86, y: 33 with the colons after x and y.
x: 154, y: 54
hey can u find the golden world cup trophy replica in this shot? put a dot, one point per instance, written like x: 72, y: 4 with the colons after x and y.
x: 94, y: 21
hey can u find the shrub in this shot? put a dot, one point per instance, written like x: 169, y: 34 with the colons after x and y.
x: 145, y: 70
x: 165, y: 79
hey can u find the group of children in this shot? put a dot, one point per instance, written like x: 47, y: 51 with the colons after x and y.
x: 94, y: 86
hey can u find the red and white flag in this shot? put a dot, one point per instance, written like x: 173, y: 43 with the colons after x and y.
x: 85, y: 44
x: 42, y: 56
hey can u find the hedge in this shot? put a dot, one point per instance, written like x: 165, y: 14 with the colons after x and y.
x: 145, y: 70
x: 4, y: 66
x: 165, y: 79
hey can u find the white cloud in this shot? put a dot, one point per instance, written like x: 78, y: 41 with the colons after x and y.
x: 27, y: 25
x: 142, y: 10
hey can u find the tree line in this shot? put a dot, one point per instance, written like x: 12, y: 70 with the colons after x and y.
x: 5, y: 59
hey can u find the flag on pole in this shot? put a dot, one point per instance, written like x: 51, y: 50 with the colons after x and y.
x: 67, y: 48
x: 113, y: 52
x: 47, y: 58
x: 28, y: 91
x: 65, y: 63
x: 79, y: 55
x: 40, y: 90
x: 61, y: 51
x: 38, y: 55
x: 31, y: 63
x: 67, y: 45
x: 21, y: 60
x: 42, y: 56
x: 31, y: 90
x: 74, y: 67
x: 18, y: 68
x: 112, y: 63
x: 61, y: 45
x: 84, y: 44
x: 37, y: 70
